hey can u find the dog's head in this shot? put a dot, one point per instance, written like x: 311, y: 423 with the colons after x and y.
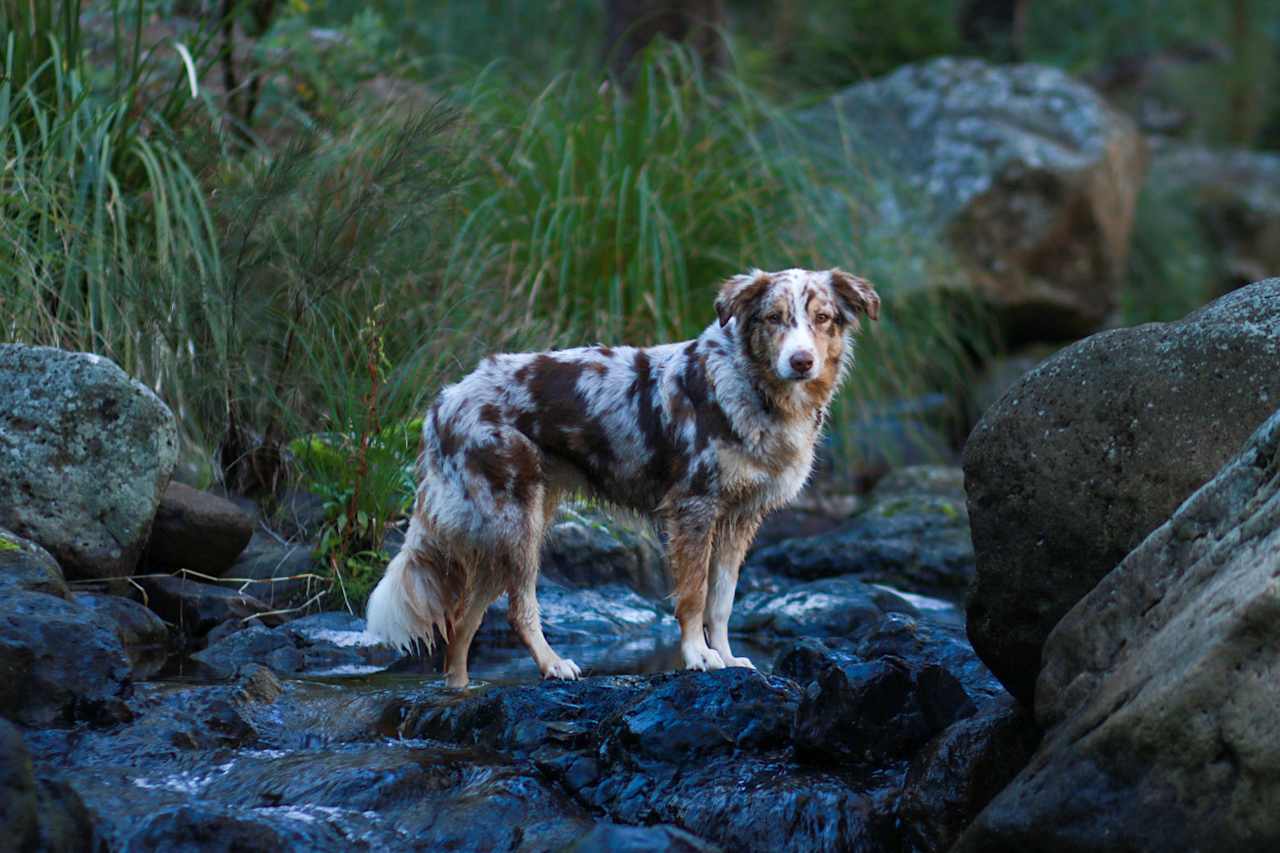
x: 793, y: 323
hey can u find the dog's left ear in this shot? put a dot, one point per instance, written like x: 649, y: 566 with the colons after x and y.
x: 737, y: 294
x: 855, y: 295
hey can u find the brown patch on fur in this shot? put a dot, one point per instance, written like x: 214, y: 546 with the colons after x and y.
x: 739, y: 294
x: 559, y: 422
x: 490, y: 414
x: 598, y: 367
x: 710, y: 421
x: 664, y: 460
x: 828, y: 340
x: 450, y: 441
x: 855, y: 295
x: 606, y: 352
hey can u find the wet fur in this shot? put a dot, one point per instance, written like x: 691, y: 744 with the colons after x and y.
x: 706, y: 436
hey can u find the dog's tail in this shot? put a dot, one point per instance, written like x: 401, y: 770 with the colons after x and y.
x: 410, y: 603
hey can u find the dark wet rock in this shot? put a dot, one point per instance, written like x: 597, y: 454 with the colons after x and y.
x: 321, y: 644
x: 1159, y: 690
x: 832, y: 607
x: 1095, y: 448
x: 196, y: 608
x: 59, y: 661
x: 1026, y: 174
x: 913, y: 535
x: 85, y: 453
x: 143, y: 634
x: 957, y: 774
x: 614, y: 838
x: 26, y: 566
x: 285, y: 575
x: 195, y: 828
x: 38, y: 812
x: 198, y: 531
x: 586, y: 549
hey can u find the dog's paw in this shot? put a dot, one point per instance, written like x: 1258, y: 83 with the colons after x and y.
x: 701, y: 658
x: 563, y: 668
x: 731, y: 661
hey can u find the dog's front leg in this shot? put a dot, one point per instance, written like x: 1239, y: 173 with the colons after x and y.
x: 690, y: 532
x: 733, y: 537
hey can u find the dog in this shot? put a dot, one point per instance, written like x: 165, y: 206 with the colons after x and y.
x: 705, y: 436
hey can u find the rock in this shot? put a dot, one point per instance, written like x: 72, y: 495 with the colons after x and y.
x: 1092, y: 450
x: 1000, y: 374
x: 287, y: 575
x: 833, y: 607
x: 1234, y: 195
x: 1029, y: 177
x: 196, y: 608
x: 143, y: 634
x: 957, y: 774
x: 204, y: 827
x: 639, y: 839
x: 890, y: 438
x: 59, y: 662
x: 571, y: 616
x: 37, y: 812
x: 587, y: 549
x: 1159, y: 690
x: 913, y: 535
x: 321, y: 644
x: 85, y: 453
x: 198, y: 531
x: 25, y: 565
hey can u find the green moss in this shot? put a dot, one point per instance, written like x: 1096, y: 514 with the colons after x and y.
x: 7, y: 544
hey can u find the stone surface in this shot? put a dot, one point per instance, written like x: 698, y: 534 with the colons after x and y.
x: 38, y: 812
x: 321, y: 644
x: 913, y: 535
x: 1095, y: 448
x: 1160, y: 688
x: 1028, y: 175
x: 1235, y: 197
x: 195, y: 608
x: 85, y: 453
x: 59, y: 662
x: 586, y: 549
x: 831, y: 607
x: 143, y: 634
x: 197, y: 531
x: 25, y: 565
x: 283, y: 575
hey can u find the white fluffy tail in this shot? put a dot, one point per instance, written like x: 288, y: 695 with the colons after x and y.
x: 407, y: 606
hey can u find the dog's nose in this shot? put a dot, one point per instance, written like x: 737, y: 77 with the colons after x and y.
x: 801, y: 362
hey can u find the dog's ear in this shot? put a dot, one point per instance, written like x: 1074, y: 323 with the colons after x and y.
x: 855, y: 295
x: 737, y: 294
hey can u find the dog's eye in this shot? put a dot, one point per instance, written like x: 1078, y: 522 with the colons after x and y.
x: 822, y: 317
x: 775, y: 319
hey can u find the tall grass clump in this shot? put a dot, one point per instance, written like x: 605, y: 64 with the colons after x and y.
x: 99, y: 209
x: 612, y: 216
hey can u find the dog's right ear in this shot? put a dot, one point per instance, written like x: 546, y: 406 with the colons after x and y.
x: 738, y: 293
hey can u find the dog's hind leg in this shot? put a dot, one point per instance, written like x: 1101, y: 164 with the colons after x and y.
x: 464, y: 631
x: 689, y: 540
x: 522, y: 598
x: 732, y: 539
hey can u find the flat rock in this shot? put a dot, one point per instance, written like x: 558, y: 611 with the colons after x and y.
x: 85, y: 453
x: 912, y: 535
x: 586, y: 549
x: 196, y: 608
x: 143, y: 634
x: 1095, y: 448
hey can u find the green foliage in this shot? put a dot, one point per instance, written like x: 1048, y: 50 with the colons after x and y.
x: 1172, y: 268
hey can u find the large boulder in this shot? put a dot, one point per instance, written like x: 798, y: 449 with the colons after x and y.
x: 1027, y: 174
x: 1160, y: 688
x: 38, y: 812
x: 586, y: 548
x: 85, y: 453
x: 1234, y: 196
x: 1092, y: 450
x: 198, y: 531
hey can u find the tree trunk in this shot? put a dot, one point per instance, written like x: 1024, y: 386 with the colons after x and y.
x: 631, y: 24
